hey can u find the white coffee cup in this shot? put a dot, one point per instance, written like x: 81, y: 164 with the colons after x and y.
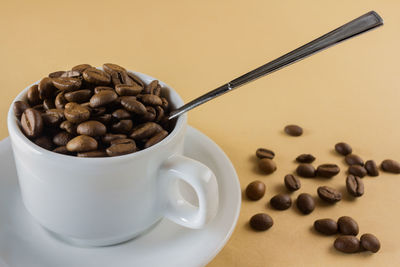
x: 105, y: 201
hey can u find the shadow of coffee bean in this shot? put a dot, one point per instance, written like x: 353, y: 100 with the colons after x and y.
x: 322, y: 203
x: 280, y: 188
x: 345, y: 195
x: 256, y: 169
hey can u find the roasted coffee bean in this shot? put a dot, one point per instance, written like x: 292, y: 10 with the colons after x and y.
x: 281, y: 202
x: 261, y: 222
x: 305, y: 170
x: 145, y: 130
x: 305, y: 203
x: 60, y: 101
x: 91, y: 128
x: 267, y: 166
x: 255, y: 190
x: 326, y: 226
x: 62, y: 150
x: 131, y: 104
x: 305, y: 158
x: 32, y: 123
x: 96, y: 76
x: 372, y: 168
x: 292, y: 183
x: 353, y: 159
x: 19, y: 107
x: 115, y: 78
x: 357, y: 170
x: 151, y: 100
x: 44, y: 142
x: 67, y: 84
x: 123, y: 126
x: 93, y: 154
x: 109, y: 137
x: 104, y: 118
x: 347, y: 226
x: 329, y: 194
x: 165, y: 103
x: 156, y: 138
x: 62, y: 138
x: 121, y: 114
x: 343, y: 148
x: 150, y: 87
x: 389, y: 165
x: 79, y: 96
x: 121, y: 149
x: 95, y: 112
x: 68, y: 127
x: 110, y: 68
x: 102, y: 88
x: 327, y: 170
x: 126, y: 79
x: 103, y: 98
x: 370, y: 242
x: 128, y: 90
x: 354, y: 185
x: 33, y: 95
x: 53, y: 117
x: 46, y: 88
x: 136, y: 79
x: 71, y: 74
x: 150, y: 114
x: 293, y: 130
x: 265, y: 153
x: 347, y: 244
x: 82, y: 143
x: 122, y: 141
x: 75, y: 113
x: 39, y: 108
x: 159, y: 113
x: 56, y: 74
x: 81, y: 67
x: 48, y: 104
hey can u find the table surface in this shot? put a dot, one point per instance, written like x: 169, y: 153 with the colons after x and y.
x: 347, y: 93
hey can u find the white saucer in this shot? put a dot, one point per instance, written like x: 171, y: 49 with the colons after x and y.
x: 23, y: 243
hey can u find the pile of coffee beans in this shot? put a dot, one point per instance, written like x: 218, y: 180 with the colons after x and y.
x: 89, y: 112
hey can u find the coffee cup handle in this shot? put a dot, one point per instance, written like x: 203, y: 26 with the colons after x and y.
x: 201, y: 179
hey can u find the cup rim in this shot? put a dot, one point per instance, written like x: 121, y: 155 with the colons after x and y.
x: 15, y: 131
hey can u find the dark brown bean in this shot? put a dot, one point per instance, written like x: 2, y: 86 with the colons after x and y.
x: 62, y: 138
x: 122, y: 141
x: 103, y: 98
x: 121, y: 114
x: 151, y: 87
x: 305, y: 203
x: 46, y: 88
x: 267, y: 166
x: 93, y: 154
x: 305, y: 170
x: 372, y: 168
x: 347, y: 226
x: 156, y: 138
x: 305, y: 158
x: 109, y: 137
x: 261, y: 222
x: 326, y: 226
x: 67, y: 84
x: 165, y: 103
x: 255, y: 190
x: 32, y: 123
x: 48, y: 104
x: 389, y: 165
x: 152, y: 100
x: 75, y: 113
x: 145, y: 130
x: 121, y: 149
x: 110, y: 68
x: 159, y: 113
x: 82, y: 143
x: 327, y: 170
x: 353, y: 159
x: 104, y: 118
x: 370, y: 243
x: 123, y: 126
x: 79, y: 96
x: 292, y: 183
x: 281, y: 202
x: 19, y: 107
x: 53, y: 117
x: 293, y: 130
x: 62, y: 150
x: 91, y: 128
x: 33, y: 95
x: 56, y: 74
x: 44, y: 142
x: 136, y: 79
x: 71, y: 74
x: 343, y: 148
x: 347, y: 244
x: 354, y: 185
x: 96, y: 76
x: 150, y: 114
x: 132, y: 105
x: 81, y: 67
x: 102, y: 88
x: 357, y: 170
x: 329, y: 194
x: 60, y: 101
x: 265, y: 153
x: 128, y: 90
x: 68, y: 127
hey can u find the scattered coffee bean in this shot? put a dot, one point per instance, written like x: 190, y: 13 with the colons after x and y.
x: 281, y: 202
x: 353, y: 159
x: 370, y: 243
x: 82, y: 143
x: 306, y: 170
x: 343, y: 148
x: 389, y: 165
x: 328, y: 170
x: 305, y: 158
x: 261, y: 222
x: 265, y: 153
x: 19, y: 107
x: 266, y: 165
x: 347, y: 226
x: 293, y: 130
x: 326, y: 226
x: 357, y: 170
x: 347, y: 244
x: 329, y: 194
x: 91, y: 128
x: 372, y: 168
x: 354, y: 185
x: 305, y: 203
x: 32, y: 123
x: 292, y: 183
x: 255, y: 190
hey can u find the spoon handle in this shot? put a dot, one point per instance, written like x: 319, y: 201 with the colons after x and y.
x: 353, y: 28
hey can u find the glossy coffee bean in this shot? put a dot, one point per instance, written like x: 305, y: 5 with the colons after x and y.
x: 48, y: 104
x: 370, y: 242
x: 123, y: 126
x: 60, y: 100
x: 75, y: 113
x: 372, y: 168
x: 151, y: 87
x: 62, y: 138
x: 91, y: 128
x: 97, y: 89
x: 150, y: 114
x: 131, y: 104
x: 305, y: 203
x: 326, y: 226
x: 78, y: 96
x: 255, y: 190
x: 81, y: 67
x: 293, y: 130
x: 33, y: 95
x: 353, y: 159
x: 53, y: 117
x: 96, y: 76
x: 56, y: 74
x: 103, y: 98
x: 389, y: 165
x: 292, y: 183
x: 46, y: 88
x: 347, y: 244
x: 261, y: 222
x: 145, y: 130
x: 327, y: 170
x: 93, y: 154
x: 151, y: 100
x: 159, y: 113
x: 306, y: 170
x: 357, y: 170
x: 109, y: 137
x: 121, y: 114
x: 67, y: 84
x: 68, y: 127
x: 354, y: 186
x: 19, y: 107
x: 32, y: 123
x: 347, y: 226
x: 82, y: 143
x: 343, y: 148
x: 165, y: 103
x: 265, y: 153
x: 158, y: 137
x: 329, y: 194
x: 44, y: 142
x: 122, y: 141
x: 121, y: 149
x: 71, y: 74
x: 128, y: 90
x: 267, y: 166
x: 62, y: 150
x: 136, y: 79
x: 305, y: 158
x: 281, y: 202
x: 111, y: 67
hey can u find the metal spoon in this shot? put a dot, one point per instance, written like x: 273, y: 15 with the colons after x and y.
x: 353, y: 28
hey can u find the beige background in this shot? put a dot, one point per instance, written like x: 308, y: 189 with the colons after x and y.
x: 349, y: 92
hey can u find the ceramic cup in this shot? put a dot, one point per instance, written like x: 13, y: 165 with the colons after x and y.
x: 105, y: 201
